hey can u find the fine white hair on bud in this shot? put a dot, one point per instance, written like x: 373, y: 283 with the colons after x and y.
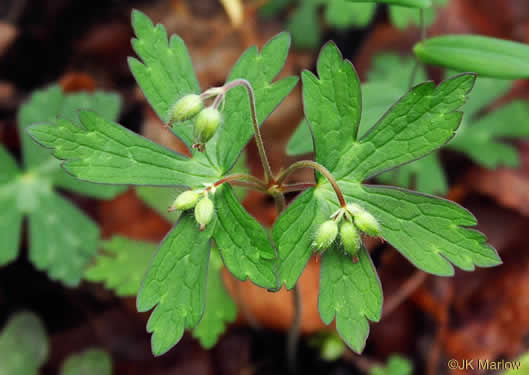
x: 363, y: 220
x: 186, y: 108
x: 204, y: 211
x: 326, y: 234
x: 367, y: 224
x: 206, y: 124
x: 350, y: 238
x: 188, y: 199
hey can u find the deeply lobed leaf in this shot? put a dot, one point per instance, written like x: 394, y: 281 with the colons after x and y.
x: 105, y: 152
x: 430, y: 232
x: 259, y: 69
x: 165, y: 72
x: 220, y: 307
x: 422, y: 121
x: 352, y: 293
x: 332, y: 105
x: 242, y: 241
x: 176, y: 284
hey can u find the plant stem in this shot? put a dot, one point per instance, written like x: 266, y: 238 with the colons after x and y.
x: 235, y: 178
x: 258, y: 137
x: 318, y: 167
x: 288, y: 188
x: 293, y: 333
x: 280, y: 202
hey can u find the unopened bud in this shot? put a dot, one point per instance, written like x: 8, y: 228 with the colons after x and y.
x: 186, y: 108
x: 207, y: 123
x: 188, y: 199
x: 367, y: 223
x: 350, y: 238
x: 326, y: 235
x: 204, y: 211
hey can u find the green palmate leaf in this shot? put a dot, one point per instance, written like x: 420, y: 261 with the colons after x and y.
x: 403, y: 3
x: 90, y: 361
x: 422, y: 121
x: 121, y: 265
x: 46, y: 106
x: 351, y: 292
x: 397, y: 365
x: 242, y: 241
x: 342, y: 14
x: 378, y: 95
x: 424, y: 175
x: 481, y: 140
x: 336, y: 92
x: 489, y: 57
x: 105, y: 152
x: 23, y: 345
x: 220, y: 307
x: 62, y: 239
x: 429, y: 231
x: 260, y: 69
x: 166, y: 73
x: 176, y: 284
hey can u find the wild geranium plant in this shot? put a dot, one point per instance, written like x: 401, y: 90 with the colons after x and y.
x: 330, y: 217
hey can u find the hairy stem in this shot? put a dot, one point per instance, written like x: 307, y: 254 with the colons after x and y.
x: 258, y: 137
x: 235, y: 179
x: 288, y: 188
x: 318, y: 167
x: 280, y: 202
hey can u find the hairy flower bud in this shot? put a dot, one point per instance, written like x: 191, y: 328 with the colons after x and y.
x: 367, y: 223
x: 204, y: 211
x: 186, y: 108
x: 188, y: 199
x: 350, y: 238
x: 207, y: 123
x: 326, y: 235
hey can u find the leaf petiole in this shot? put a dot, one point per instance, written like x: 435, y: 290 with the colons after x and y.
x: 258, y: 138
x: 318, y: 167
x: 247, y: 181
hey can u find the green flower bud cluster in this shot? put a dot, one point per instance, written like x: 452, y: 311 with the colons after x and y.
x: 199, y: 200
x: 207, y: 120
x: 356, y: 220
